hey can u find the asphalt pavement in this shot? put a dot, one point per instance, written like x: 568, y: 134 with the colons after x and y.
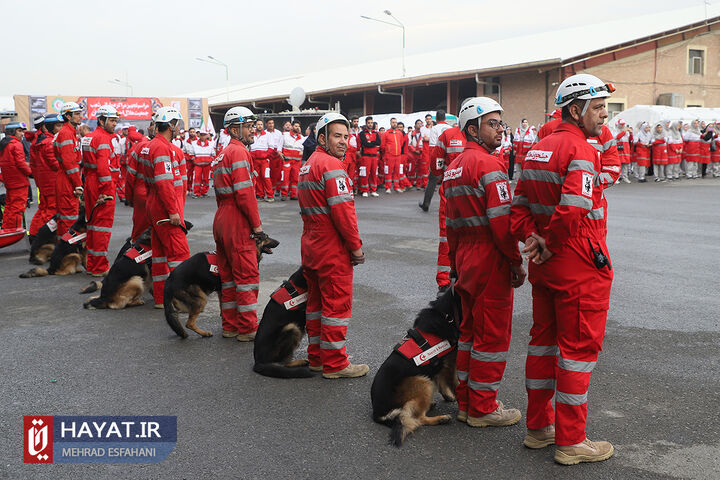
x: 655, y: 393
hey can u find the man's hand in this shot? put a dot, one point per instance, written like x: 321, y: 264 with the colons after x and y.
x: 174, y: 219
x: 102, y: 199
x: 517, y: 275
x: 357, y: 257
x: 78, y: 191
x: 532, y: 247
x: 541, y: 253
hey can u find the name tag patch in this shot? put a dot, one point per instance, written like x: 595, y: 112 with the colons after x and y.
x: 294, y: 302
x: 423, y: 357
x: 538, y: 156
x: 52, y: 225
x: 452, y: 174
x: 75, y: 239
x: 305, y: 169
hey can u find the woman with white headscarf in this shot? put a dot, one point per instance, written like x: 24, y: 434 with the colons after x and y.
x: 659, y: 152
x: 624, y: 138
x: 643, y: 142
x: 692, y: 149
x: 675, y: 149
x: 715, y: 154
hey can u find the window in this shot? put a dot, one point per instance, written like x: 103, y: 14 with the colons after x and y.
x: 614, y: 108
x: 696, y: 62
x: 492, y: 86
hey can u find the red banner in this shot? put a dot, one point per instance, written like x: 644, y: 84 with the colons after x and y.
x: 129, y: 108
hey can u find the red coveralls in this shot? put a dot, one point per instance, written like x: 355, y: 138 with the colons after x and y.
x: 164, y: 197
x: 351, y: 159
x: 97, y: 154
x: 115, y: 172
x: 44, y: 166
x: 293, y: 152
x: 450, y: 144
x: 261, y: 162
x: 136, y: 190
x: 203, y: 159
x: 275, y: 143
x: 329, y: 234
x: 482, y: 249
x: 392, y: 147
x: 67, y: 152
x: 236, y: 217
x: 189, y: 152
x: 559, y: 197
x: 15, y: 172
x: 367, y: 172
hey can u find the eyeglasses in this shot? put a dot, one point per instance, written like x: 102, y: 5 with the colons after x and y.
x: 495, y: 124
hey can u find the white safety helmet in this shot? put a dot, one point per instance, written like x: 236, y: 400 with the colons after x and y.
x: 107, y: 111
x: 166, y: 115
x: 70, y: 107
x: 476, y: 107
x: 582, y: 86
x: 327, y: 119
x: 238, y: 116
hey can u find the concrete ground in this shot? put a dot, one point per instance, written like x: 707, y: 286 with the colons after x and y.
x: 654, y: 392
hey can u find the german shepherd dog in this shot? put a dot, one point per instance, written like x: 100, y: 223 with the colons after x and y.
x: 281, y: 330
x: 188, y: 286
x: 403, y: 388
x: 126, y: 280
x: 68, y: 254
x: 43, y: 243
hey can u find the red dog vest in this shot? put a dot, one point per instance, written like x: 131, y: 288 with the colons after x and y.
x: 71, y: 236
x: 423, y: 347
x: 290, y: 295
x: 212, y: 260
x: 139, y: 254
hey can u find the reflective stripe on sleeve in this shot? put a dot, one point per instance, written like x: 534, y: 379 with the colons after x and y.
x: 334, y: 174
x: 337, y: 199
x: 542, y: 176
x: 459, y: 190
x: 467, y: 222
x: 583, y: 165
x: 314, y: 210
x: 576, y: 201
x: 96, y: 228
x: 498, y: 211
x: 496, y: 176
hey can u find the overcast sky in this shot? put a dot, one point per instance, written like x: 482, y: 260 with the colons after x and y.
x: 74, y: 48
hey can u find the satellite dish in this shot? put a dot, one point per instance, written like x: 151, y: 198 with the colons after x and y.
x: 297, y: 97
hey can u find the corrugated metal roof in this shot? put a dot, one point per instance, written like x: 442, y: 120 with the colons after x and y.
x: 543, y: 48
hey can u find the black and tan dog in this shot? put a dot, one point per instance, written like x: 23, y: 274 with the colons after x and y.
x: 127, y: 279
x: 281, y: 330
x: 188, y: 286
x: 69, y: 252
x: 43, y: 243
x: 402, y: 391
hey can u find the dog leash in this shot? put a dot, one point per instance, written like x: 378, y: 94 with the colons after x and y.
x: 167, y: 220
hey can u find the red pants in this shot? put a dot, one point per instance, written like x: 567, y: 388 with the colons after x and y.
x: 289, y: 176
x: 190, y: 170
x: 237, y: 263
x: 169, y: 249
x: 99, y: 228
x: 139, y: 218
x: 119, y: 182
x: 487, y: 300
x: 263, y: 181
x: 570, y: 303
x: 392, y: 171
x: 46, y: 209
x: 442, y: 277
x: 15, y: 205
x: 329, y: 308
x: 405, y: 171
x: 67, y: 204
x: 351, y: 169
x: 276, y: 168
x: 367, y: 174
x: 202, y: 179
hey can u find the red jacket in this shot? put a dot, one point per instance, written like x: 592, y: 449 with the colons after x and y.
x: 234, y: 185
x: 559, y: 194
x: 15, y: 170
x: 134, y: 178
x: 370, y: 142
x: 449, y: 145
x: 393, y: 142
x: 67, y: 152
x: 43, y: 163
x: 327, y: 208
x: 156, y: 160
x: 97, y: 153
x: 478, y: 199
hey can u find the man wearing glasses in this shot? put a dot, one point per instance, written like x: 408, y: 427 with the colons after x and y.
x: 487, y: 261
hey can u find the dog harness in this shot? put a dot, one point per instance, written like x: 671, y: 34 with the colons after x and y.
x: 71, y: 236
x: 423, y: 348
x: 212, y: 260
x: 290, y: 295
x: 52, y: 224
x: 138, y: 253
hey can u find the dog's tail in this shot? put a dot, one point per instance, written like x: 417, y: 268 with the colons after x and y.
x: 276, y: 370
x: 95, y: 303
x: 34, y: 272
x: 93, y: 286
x: 171, y: 317
x: 402, y: 423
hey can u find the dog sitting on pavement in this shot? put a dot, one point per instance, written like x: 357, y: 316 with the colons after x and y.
x: 281, y: 330
x: 69, y: 252
x: 43, y: 243
x: 403, y: 388
x: 188, y: 286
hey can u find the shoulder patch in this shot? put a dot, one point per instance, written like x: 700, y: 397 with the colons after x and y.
x: 305, y: 169
x: 503, y: 192
x: 342, y: 185
x: 85, y: 141
x: 538, y: 156
x: 145, y: 151
x: 587, y: 184
x: 453, y: 174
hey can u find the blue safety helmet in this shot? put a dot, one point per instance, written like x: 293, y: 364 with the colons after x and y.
x: 15, y: 126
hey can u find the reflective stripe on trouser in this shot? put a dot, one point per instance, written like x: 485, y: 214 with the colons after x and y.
x: 169, y: 244
x: 15, y: 205
x: 392, y: 171
x: 486, y: 294
x: 46, y: 209
x: 572, y: 316
x: 367, y: 174
x: 100, y: 222
x: 328, y: 312
x: 263, y: 182
x: 239, y: 275
x: 443, y: 257
x: 67, y: 204
x: 290, y: 177
x: 202, y: 179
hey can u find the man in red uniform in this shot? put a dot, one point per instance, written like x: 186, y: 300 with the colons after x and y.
x: 15, y: 175
x: 99, y: 189
x: 292, y: 152
x: 69, y: 182
x: 135, y: 186
x: 487, y: 261
x: 204, y: 150
x: 415, y: 157
x: 237, y: 227
x: 165, y: 206
x: 330, y: 246
x: 558, y: 213
x: 45, y: 170
x: 367, y: 172
x: 392, y: 148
